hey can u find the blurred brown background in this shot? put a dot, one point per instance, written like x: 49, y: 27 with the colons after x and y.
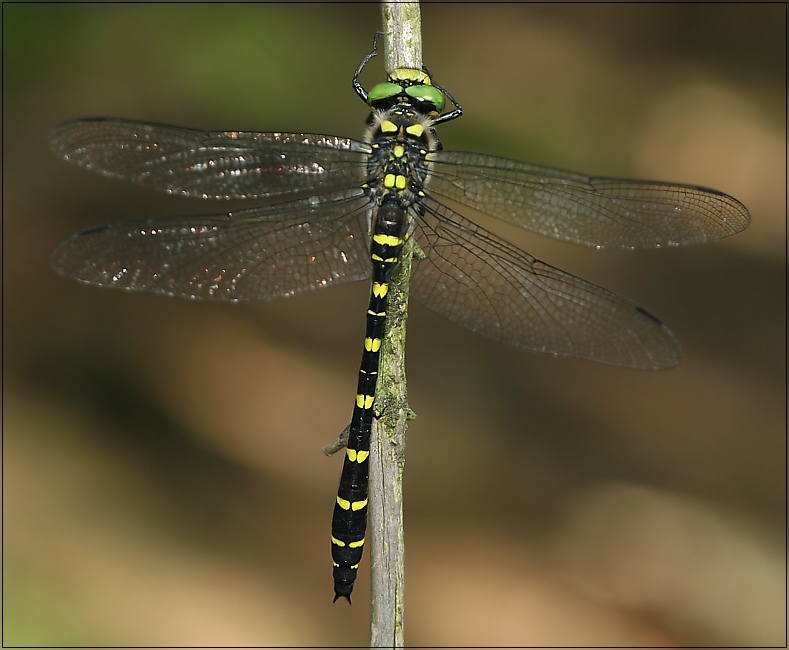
x: 163, y: 480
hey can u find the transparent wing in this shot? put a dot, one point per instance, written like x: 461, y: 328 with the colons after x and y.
x: 252, y: 254
x: 599, y: 212
x: 481, y: 282
x: 212, y: 164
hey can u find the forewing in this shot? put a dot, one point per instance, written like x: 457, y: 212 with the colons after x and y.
x: 599, y: 212
x: 212, y: 164
x: 252, y: 254
x: 481, y: 282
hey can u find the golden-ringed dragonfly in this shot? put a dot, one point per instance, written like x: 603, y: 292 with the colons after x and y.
x: 331, y: 210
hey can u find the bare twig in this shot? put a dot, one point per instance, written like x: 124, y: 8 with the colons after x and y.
x: 403, y: 49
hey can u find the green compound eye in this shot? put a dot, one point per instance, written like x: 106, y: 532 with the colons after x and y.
x: 427, y: 95
x: 385, y: 90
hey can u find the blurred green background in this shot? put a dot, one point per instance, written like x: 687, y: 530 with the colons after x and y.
x: 163, y: 480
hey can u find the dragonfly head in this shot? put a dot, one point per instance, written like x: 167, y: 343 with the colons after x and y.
x: 408, y: 86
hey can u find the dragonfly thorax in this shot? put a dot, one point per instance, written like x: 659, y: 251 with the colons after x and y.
x: 397, y: 167
x: 403, y: 123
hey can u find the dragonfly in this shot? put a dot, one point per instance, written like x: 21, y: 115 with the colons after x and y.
x: 330, y: 210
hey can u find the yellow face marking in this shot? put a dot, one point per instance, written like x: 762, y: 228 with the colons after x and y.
x: 388, y: 240
x: 389, y: 180
x: 356, y: 544
x: 416, y: 130
x: 400, y: 182
x: 388, y: 127
x: 410, y: 74
x: 372, y: 345
x: 343, y: 503
x: 358, y: 505
x: 398, y: 150
x: 338, y: 542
